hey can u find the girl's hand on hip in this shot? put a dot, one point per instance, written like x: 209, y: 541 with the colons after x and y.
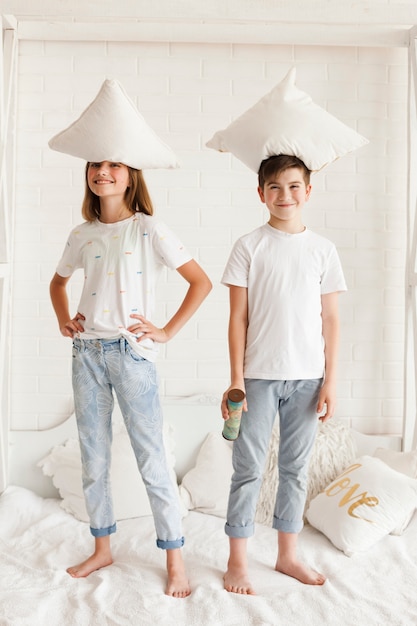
x: 144, y: 329
x: 73, y: 327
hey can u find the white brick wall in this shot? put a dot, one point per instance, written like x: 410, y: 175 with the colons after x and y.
x: 186, y: 92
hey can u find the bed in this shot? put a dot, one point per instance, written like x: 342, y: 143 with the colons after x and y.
x: 42, y: 533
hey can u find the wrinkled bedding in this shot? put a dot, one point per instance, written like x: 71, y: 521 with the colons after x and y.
x: 38, y: 540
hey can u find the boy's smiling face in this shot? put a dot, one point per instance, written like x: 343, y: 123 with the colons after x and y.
x: 285, y: 195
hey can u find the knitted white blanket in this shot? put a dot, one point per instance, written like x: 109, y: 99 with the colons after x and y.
x: 38, y: 540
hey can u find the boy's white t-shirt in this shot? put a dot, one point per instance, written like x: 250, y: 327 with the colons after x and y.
x: 121, y: 263
x: 286, y: 275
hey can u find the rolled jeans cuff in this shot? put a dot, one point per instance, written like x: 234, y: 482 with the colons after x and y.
x: 103, y: 532
x: 239, y: 532
x: 286, y: 526
x: 170, y: 545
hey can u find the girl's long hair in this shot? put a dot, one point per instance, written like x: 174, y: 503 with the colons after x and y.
x: 137, y: 196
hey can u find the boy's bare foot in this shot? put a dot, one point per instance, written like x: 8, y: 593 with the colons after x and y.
x: 236, y: 580
x: 299, y: 571
x: 93, y: 563
x: 177, y: 583
x: 236, y: 577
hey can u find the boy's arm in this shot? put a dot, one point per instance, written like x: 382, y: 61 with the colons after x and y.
x: 330, y: 325
x: 59, y: 298
x: 238, y: 324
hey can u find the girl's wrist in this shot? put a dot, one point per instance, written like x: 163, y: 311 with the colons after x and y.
x: 166, y: 333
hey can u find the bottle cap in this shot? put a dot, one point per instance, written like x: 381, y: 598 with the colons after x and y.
x: 236, y: 395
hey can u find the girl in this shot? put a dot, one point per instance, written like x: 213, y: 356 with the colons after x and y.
x: 120, y: 248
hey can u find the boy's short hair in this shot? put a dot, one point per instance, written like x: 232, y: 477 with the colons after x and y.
x: 276, y: 164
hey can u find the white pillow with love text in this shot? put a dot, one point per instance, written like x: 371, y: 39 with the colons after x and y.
x: 366, y: 502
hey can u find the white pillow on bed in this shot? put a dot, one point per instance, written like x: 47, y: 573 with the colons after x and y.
x: 287, y: 121
x: 404, y: 462
x: 130, y: 499
x: 364, y: 503
x: 205, y: 487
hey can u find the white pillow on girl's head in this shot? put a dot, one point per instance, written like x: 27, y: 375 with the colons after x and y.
x: 287, y: 121
x: 112, y: 129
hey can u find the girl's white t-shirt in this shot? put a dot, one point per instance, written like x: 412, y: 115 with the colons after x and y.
x: 121, y: 264
x: 286, y: 275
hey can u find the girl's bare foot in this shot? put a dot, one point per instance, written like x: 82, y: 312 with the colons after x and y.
x: 299, y: 571
x: 236, y: 580
x: 93, y: 563
x: 101, y: 557
x: 177, y: 583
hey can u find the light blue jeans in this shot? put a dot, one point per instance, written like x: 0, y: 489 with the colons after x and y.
x: 295, y: 401
x: 98, y: 367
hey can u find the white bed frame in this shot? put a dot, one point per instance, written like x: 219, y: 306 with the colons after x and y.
x: 198, y: 414
x: 20, y: 450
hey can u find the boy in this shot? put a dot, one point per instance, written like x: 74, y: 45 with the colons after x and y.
x: 283, y: 340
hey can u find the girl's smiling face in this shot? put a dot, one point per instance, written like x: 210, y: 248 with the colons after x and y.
x: 108, y: 178
x: 285, y: 196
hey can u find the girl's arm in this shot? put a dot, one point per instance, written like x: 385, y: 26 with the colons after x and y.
x: 330, y: 324
x: 199, y: 287
x: 59, y: 298
x: 238, y: 324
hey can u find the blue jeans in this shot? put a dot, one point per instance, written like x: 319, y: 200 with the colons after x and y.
x: 98, y: 367
x: 295, y: 401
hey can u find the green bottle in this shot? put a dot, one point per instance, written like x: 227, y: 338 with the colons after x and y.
x: 231, y: 427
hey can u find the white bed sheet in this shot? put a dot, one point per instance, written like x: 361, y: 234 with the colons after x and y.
x: 38, y: 540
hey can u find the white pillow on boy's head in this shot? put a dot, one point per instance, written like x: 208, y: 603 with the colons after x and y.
x: 112, y: 129
x: 287, y: 121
